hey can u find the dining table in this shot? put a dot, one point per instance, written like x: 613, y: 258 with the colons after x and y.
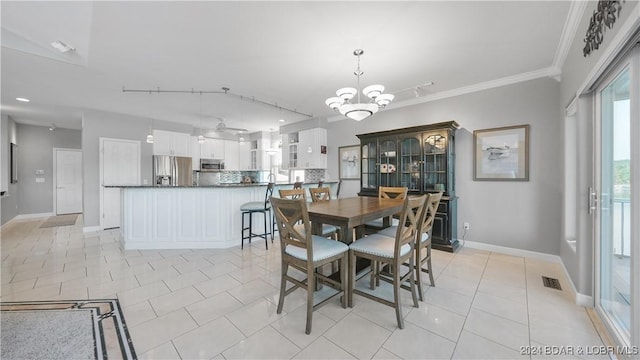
x: 351, y: 213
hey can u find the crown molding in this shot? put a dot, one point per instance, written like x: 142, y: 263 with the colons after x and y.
x: 576, y: 12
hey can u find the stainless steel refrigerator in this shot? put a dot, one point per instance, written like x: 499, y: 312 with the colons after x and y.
x: 172, y: 171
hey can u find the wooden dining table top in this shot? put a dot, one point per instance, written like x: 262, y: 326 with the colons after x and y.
x: 349, y: 213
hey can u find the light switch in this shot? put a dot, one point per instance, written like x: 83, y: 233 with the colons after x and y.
x: 39, y: 179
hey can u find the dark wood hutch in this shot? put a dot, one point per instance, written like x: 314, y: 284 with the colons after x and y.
x: 421, y: 158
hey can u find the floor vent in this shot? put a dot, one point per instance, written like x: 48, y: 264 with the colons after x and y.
x: 551, y: 283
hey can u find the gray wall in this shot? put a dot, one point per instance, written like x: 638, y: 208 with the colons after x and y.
x: 9, y: 202
x: 521, y: 215
x: 577, y: 72
x: 117, y: 126
x: 35, y: 152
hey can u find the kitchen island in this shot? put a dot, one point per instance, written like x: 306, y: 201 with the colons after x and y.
x: 189, y: 217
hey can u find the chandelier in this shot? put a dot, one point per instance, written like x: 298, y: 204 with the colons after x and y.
x: 359, y: 111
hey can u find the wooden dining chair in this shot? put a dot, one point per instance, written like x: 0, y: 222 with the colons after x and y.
x: 324, y: 194
x: 306, y: 252
x: 387, y: 192
x: 423, y: 247
x: 293, y: 194
x: 393, y: 251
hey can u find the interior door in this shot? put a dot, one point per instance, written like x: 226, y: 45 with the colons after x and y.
x: 119, y: 165
x: 616, y: 234
x: 68, y: 175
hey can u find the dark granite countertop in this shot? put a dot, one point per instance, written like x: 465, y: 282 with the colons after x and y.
x: 207, y: 186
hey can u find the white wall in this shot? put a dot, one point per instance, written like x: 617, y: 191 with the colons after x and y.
x: 521, y: 215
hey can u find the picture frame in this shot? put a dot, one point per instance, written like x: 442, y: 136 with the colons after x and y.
x: 13, y: 156
x: 501, y: 154
x: 349, y: 162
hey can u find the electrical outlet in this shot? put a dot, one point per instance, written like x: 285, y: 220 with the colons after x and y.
x: 466, y: 226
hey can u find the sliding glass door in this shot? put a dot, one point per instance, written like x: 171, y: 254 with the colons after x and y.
x: 616, y: 161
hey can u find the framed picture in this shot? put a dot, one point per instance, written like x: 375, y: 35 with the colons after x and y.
x: 501, y: 154
x: 14, y: 163
x: 349, y: 162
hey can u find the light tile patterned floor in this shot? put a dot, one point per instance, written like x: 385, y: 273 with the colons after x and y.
x: 221, y: 304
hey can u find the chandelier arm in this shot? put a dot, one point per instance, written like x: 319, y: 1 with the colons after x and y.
x: 224, y: 91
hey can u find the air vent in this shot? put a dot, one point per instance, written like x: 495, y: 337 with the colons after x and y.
x: 551, y: 283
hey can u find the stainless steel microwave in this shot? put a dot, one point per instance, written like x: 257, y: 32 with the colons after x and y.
x: 211, y: 164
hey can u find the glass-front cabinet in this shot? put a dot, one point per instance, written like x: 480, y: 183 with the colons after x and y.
x: 369, y: 166
x: 421, y: 158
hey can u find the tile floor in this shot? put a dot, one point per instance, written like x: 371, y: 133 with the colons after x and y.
x: 221, y: 304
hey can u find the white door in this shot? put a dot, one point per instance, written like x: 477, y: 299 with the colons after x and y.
x: 68, y: 175
x: 119, y: 165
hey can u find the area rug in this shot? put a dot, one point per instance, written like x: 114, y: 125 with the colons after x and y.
x: 74, y: 329
x: 60, y: 220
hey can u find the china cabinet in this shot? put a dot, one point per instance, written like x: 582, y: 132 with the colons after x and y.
x: 421, y: 158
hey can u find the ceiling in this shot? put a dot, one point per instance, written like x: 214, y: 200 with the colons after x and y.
x: 290, y: 54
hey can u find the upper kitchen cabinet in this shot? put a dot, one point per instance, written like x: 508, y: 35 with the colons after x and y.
x: 231, y: 155
x: 258, y: 157
x: 171, y: 143
x: 212, y: 149
x: 195, y: 153
x: 306, y: 149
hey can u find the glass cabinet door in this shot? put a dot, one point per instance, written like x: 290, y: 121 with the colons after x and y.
x: 388, y: 163
x: 369, y: 169
x: 435, y: 161
x: 410, y: 160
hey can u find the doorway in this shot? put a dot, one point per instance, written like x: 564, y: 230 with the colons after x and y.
x: 616, y: 159
x: 67, y: 164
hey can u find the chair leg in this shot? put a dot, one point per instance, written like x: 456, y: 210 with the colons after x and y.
x: 433, y: 283
x: 352, y: 276
x: 418, y: 269
x: 283, y: 285
x: 242, y: 235
x: 374, y: 272
x: 396, y: 294
x: 266, y: 242
x: 310, y: 290
x: 412, y: 282
x: 343, y: 279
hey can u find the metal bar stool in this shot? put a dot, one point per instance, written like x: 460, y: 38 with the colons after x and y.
x: 253, y: 207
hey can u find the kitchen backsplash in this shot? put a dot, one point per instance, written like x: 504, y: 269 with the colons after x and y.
x: 234, y: 177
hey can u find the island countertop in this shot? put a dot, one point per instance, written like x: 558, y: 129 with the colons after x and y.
x: 226, y: 185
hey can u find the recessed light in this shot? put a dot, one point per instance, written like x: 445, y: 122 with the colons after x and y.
x: 62, y: 47
x: 22, y: 99
x: 281, y: 120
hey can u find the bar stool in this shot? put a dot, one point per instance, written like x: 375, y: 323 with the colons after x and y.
x: 253, y: 207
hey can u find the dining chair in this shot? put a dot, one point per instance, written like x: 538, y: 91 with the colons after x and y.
x: 387, y: 192
x: 324, y: 194
x: 293, y: 194
x: 254, y: 207
x: 393, y: 251
x: 423, y: 247
x: 297, y: 185
x: 306, y: 252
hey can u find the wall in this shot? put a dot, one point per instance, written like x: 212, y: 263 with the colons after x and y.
x: 35, y: 152
x: 9, y: 202
x: 578, y: 73
x: 117, y: 126
x: 522, y: 215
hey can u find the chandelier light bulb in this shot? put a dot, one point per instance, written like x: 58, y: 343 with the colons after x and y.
x: 150, y: 139
x: 355, y: 109
x: 201, y: 139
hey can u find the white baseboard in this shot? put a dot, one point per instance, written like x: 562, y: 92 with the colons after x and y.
x: 584, y: 300
x: 87, y: 229
x: 515, y: 252
x: 32, y: 216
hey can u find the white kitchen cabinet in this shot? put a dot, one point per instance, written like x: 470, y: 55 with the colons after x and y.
x: 244, y: 155
x: 304, y: 149
x: 212, y: 149
x: 195, y: 153
x: 231, y: 155
x: 171, y: 143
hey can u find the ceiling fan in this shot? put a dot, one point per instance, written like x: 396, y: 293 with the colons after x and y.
x: 222, y: 127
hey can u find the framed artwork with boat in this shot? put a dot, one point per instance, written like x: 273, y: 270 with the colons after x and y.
x: 501, y: 154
